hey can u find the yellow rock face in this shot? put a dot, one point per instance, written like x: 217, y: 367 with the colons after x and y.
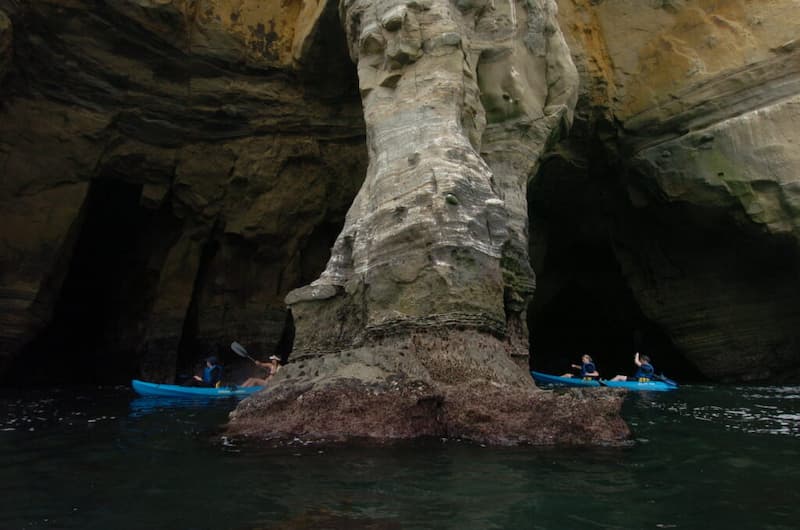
x: 196, y: 112
x: 258, y: 33
x: 270, y: 32
x: 643, y: 55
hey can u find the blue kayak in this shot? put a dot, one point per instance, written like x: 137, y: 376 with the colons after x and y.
x: 539, y: 377
x: 650, y: 386
x: 154, y: 389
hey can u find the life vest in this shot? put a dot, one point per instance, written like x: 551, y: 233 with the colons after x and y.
x: 587, y: 368
x: 212, y: 375
x: 645, y: 373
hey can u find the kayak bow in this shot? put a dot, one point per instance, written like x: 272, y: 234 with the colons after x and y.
x: 154, y: 389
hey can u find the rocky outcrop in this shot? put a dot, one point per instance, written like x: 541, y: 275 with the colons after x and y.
x: 389, y: 410
x: 437, y: 96
x: 177, y: 166
x: 418, y: 318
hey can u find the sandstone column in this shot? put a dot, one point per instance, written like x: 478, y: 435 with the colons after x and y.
x: 437, y: 237
x: 415, y: 324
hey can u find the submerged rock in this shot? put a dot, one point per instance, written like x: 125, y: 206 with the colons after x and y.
x: 390, y: 392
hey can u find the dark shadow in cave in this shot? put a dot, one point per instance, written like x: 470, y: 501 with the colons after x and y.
x: 191, y: 356
x: 314, y: 258
x: 317, y: 251
x: 286, y: 342
x: 92, y: 335
x: 591, y: 310
x: 582, y: 302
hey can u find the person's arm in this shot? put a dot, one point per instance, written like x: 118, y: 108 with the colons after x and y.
x: 636, y: 359
x: 593, y: 374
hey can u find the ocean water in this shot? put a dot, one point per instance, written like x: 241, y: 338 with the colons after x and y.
x: 100, y: 458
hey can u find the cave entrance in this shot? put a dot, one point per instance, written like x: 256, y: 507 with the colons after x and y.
x: 92, y: 335
x: 583, y: 303
x: 593, y: 311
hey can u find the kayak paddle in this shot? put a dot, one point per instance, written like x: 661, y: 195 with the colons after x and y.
x: 240, y: 350
x: 664, y: 379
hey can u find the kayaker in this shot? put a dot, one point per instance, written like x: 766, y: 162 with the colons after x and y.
x: 644, y: 372
x: 212, y: 373
x: 271, y: 367
x: 587, y: 368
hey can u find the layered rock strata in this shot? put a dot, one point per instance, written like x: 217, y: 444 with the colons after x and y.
x: 696, y: 103
x: 172, y: 169
x: 416, y: 326
x: 200, y: 156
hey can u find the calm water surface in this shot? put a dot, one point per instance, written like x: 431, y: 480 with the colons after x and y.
x: 704, y: 457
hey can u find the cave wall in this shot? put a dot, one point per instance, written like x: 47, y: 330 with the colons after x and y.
x: 239, y: 126
x: 237, y: 123
x: 692, y: 107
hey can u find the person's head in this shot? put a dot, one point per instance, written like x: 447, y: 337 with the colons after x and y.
x: 212, y: 360
x: 586, y: 358
x: 274, y: 359
x: 644, y: 359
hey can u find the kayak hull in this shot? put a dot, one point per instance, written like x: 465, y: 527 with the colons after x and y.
x: 144, y: 388
x: 548, y: 379
x: 650, y: 386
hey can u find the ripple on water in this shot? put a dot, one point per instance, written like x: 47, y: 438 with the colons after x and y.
x: 755, y: 410
x: 712, y: 453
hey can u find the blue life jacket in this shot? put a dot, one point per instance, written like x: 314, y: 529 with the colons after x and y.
x: 645, y: 372
x: 212, y: 375
x: 586, y: 369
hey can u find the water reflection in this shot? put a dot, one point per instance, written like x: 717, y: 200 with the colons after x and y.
x: 101, y: 458
x: 156, y: 404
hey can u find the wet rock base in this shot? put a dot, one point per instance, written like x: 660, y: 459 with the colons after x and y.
x: 381, y: 394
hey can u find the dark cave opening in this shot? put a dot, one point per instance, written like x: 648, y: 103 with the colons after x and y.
x: 583, y: 303
x: 191, y: 352
x: 316, y: 252
x: 92, y: 334
x: 588, y: 308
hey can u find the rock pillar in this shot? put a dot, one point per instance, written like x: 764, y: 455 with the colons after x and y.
x: 414, y: 327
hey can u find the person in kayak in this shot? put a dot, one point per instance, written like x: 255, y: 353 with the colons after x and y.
x: 212, y: 373
x: 271, y: 367
x: 587, y: 368
x: 644, y: 372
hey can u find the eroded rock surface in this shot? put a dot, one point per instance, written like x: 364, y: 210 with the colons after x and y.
x: 201, y: 155
x: 696, y: 103
x: 416, y: 327
x: 402, y: 390
x: 172, y: 169
x: 436, y: 235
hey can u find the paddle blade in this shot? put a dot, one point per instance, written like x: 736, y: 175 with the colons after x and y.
x: 666, y: 380
x: 239, y: 350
